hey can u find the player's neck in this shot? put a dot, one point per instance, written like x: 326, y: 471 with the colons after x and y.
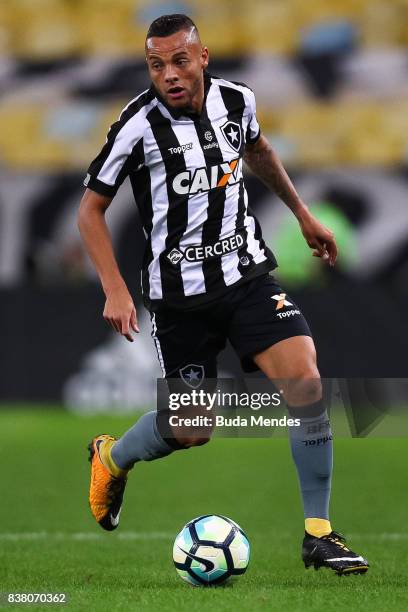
x: 197, y: 101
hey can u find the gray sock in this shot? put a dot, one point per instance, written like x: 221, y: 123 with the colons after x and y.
x: 142, y: 442
x: 312, y: 451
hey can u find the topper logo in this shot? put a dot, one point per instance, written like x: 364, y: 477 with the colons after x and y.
x: 204, y: 179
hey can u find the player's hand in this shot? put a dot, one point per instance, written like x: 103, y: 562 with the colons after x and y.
x: 319, y: 238
x: 120, y: 312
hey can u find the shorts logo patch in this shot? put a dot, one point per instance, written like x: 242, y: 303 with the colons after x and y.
x: 192, y: 374
x: 282, y: 301
x: 288, y: 313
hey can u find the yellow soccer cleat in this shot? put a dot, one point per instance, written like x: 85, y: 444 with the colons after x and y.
x: 106, y: 490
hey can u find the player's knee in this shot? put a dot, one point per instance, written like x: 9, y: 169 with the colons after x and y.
x: 304, y: 389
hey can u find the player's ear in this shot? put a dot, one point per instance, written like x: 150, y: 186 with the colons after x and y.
x: 204, y: 57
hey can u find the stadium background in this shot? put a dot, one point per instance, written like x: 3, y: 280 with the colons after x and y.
x: 332, y: 90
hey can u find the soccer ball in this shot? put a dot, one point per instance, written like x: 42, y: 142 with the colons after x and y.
x: 210, y: 549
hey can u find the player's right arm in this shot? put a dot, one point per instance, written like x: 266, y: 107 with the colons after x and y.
x: 119, y: 309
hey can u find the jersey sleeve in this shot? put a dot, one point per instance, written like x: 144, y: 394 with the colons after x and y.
x: 253, y: 130
x: 122, y: 152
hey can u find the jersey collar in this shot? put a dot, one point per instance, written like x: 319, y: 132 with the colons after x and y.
x: 178, y: 114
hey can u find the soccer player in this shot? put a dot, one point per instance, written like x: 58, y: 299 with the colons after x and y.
x: 206, y: 271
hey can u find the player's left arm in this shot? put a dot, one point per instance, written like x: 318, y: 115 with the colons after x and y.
x: 266, y: 165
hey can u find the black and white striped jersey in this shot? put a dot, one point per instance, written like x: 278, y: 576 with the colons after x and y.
x: 186, y: 175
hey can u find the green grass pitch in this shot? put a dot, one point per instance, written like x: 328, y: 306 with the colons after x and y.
x: 50, y: 543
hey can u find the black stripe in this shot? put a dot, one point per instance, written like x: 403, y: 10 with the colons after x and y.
x: 96, y: 165
x: 240, y: 227
x: 141, y: 186
x: 177, y: 214
x: 258, y: 236
x: 234, y: 101
x: 252, y: 139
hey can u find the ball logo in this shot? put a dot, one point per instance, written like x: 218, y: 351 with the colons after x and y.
x: 232, y: 134
x: 208, y: 565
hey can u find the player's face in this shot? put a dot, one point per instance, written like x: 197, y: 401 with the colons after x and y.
x: 176, y: 65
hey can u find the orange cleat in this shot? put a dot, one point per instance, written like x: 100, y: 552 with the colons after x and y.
x: 106, y: 491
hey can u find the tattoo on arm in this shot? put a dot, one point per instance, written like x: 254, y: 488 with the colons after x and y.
x: 264, y: 162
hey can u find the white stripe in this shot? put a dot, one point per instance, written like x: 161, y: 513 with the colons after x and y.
x: 215, y: 107
x: 381, y: 536
x: 344, y: 559
x: 224, y: 83
x: 124, y: 109
x: 131, y: 102
x: 160, y: 535
x: 192, y: 272
x: 250, y: 107
x: 157, y: 343
x: 83, y: 535
x: 253, y: 244
x: 127, y: 137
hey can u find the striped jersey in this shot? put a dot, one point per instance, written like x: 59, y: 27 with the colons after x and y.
x: 186, y: 174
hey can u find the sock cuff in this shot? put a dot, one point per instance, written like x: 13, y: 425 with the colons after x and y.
x: 109, y: 462
x: 307, y: 410
x: 317, y: 527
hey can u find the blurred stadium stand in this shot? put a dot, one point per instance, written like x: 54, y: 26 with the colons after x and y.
x: 331, y: 80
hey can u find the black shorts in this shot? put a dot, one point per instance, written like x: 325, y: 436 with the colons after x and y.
x: 253, y: 317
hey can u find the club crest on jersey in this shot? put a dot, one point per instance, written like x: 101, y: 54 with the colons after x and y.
x: 207, y: 178
x: 232, y: 134
x: 192, y: 374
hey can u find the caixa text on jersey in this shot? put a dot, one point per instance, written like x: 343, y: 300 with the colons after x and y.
x: 206, y: 178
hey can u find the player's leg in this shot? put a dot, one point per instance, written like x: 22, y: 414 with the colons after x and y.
x: 291, y: 364
x: 270, y: 333
x: 109, y: 471
x: 152, y: 437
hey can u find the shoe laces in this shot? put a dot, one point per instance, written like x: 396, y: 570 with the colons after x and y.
x: 336, y: 538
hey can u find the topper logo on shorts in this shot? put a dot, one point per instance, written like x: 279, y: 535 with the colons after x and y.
x: 282, y: 301
x: 205, y: 179
x: 288, y: 313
